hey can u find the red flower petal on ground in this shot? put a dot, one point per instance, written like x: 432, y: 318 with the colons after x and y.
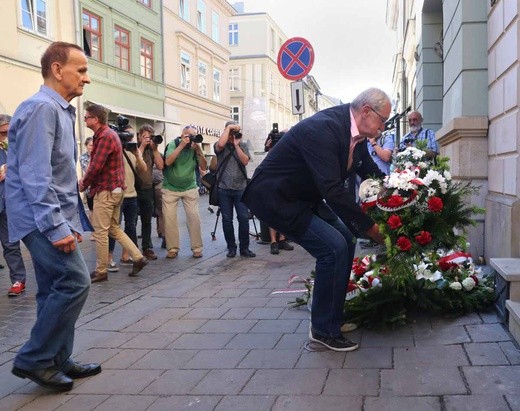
x: 423, y: 238
x: 435, y: 204
x: 404, y: 243
x: 394, y: 221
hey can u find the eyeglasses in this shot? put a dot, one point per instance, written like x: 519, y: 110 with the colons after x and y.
x: 383, y: 119
x: 87, y: 117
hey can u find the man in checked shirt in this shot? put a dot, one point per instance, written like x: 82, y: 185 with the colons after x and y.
x: 106, y: 178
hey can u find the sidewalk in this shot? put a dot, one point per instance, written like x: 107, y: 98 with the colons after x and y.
x: 206, y: 334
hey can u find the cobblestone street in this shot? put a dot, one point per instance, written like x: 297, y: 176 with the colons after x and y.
x: 208, y: 334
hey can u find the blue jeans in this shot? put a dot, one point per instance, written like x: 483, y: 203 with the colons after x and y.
x: 227, y: 199
x: 63, y: 284
x: 333, y: 246
x: 129, y: 211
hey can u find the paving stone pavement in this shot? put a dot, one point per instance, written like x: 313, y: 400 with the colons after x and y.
x: 208, y: 334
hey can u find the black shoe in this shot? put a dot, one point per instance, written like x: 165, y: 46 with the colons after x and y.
x: 284, y: 245
x: 247, y: 253
x: 48, y: 377
x: 137, y: 267
x: 231, y: 252
x: 82, y: 370
x: 339, y: 343
x: 163, y: 244
x: 274, y: 248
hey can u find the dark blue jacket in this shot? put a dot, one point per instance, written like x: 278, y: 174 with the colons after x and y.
x: 304, y: 174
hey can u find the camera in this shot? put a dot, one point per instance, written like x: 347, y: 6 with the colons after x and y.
x: 197, y: 138
x: 275, y: 135
x: 236, y: 134
x: 157, y: 139
x: 121, y: 126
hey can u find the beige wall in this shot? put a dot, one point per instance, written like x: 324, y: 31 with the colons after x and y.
x: 21, y: 50
x: 188, y: 106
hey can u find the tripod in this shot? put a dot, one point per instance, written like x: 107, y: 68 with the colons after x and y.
x: 256, y: 235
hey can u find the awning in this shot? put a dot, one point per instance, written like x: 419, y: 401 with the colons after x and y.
x: 132, y: 113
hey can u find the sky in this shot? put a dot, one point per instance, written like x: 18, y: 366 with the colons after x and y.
x: 353, y: 47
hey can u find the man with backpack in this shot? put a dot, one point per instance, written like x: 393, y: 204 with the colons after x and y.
x: 181, y: 157
x: 232, y: 158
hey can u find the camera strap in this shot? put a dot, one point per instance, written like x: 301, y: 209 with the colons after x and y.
x: 131, y: 165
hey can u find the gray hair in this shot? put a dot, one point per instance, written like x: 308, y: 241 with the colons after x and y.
x: 231, y: 122
x: 373, y: 97
x: 4, y: 119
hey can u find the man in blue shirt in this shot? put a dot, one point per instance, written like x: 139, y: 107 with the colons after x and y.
x: 43, y: 208
x: 417, y: 133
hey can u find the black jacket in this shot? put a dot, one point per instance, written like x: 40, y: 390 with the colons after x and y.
x: 304, y: 174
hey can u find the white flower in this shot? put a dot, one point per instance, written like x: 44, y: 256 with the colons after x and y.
x: 456, y: 286
x: 431, y: 192
x: 468, y: 284
x: 422, y: 271
x: 447, y: 175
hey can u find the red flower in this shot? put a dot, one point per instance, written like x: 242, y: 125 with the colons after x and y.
x: 351, y: 286
x: 423, y: 238
x: 359, y: 269
x: 394, y: 221
x: 435, y: 205
x: 395, y: 201
x: 446, y: 265
x: 474, y: 279
x: 404, y: 243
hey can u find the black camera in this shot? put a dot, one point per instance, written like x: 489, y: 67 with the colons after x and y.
x: 275, y: 135
x: 121, y: 128
x: 197, y: 138
x: 236, y: 134
x: 157, y: 139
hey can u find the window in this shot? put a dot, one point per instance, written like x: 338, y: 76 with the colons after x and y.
x: 215, y: 29
x: 147, y: 59
x: 235, y: 113
x: 216, y: 85
x: 203, y: 79
x: 233, y: 34
x: 184, y: 9
x: 273, y: 40
x: 233, y: 79
x: 34, y: 15
x: 185, y: 70
x: 201, y: 15
x: 92, y: 35
x: 147, y: 3
x: 271, y: 83
x: 122, y: 48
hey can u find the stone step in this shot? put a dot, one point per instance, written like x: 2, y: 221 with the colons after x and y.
x: 509, y: 270
x: 514, y: 318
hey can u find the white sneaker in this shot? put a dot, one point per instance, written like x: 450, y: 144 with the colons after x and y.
x: 112, y: 267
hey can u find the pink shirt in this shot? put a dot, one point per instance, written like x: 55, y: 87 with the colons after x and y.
x: 354, y: 139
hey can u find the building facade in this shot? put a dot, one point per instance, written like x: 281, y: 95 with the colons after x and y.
x: 196, y: 66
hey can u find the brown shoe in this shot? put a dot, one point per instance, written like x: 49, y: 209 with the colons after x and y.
x: 137, y: 267
x: 197, y: 254
x: 149, y: 254
x: 96, y: 277
x: 172, y: 254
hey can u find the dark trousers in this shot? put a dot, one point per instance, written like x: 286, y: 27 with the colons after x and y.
x: 145, y: 200
x: 12, y: 254
x: 227, y: 200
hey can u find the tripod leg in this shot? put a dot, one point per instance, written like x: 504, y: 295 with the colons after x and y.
x: 256, y: 235
x: 213, y: 237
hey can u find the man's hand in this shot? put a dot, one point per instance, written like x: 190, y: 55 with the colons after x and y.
x: 374, y: 234
x: 81, y: 186
x: 67, y: 244
x: 79, y: 237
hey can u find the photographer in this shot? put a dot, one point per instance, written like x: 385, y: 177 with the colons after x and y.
x: 181, y: 157
x: 148, y: 143
x: 417, y: 133
x: 278, y: 240
x: 232, y: 158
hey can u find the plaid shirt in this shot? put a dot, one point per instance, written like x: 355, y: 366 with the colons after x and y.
x: 106, y: 171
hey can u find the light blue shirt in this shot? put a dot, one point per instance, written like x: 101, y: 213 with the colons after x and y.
x: 423, y: 134
x: 386, y: 142
x: 41, y: 188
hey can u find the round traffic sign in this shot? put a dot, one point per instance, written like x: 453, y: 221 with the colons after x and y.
x: 295, y: 58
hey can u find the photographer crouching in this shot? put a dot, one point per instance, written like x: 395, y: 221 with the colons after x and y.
x: 232, y: 158
x: 278, y: 240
